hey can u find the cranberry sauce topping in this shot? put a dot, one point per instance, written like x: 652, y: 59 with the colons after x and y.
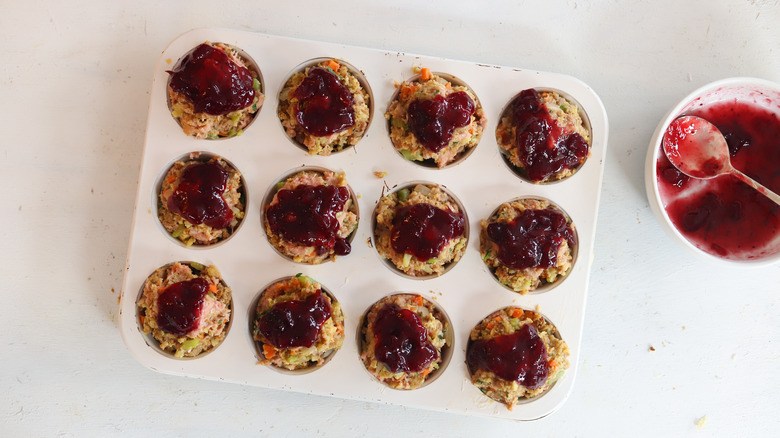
x: 543, y: 148
x: 198, y: 197
x: 402, y: 341
x: 723, y: 216
x: 306, y: 215
x: 295, y: 323
x: 423, y: 230
x: 180, y: 304
x: 324, y: 104
x: 532, y: 239
x: 213, y: 82
x: 520, y: 357
x: 433, y: 121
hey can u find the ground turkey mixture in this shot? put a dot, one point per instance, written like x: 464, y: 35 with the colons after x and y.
x: 432, y: 120
x: 543, y: 136
x: 515, y: 355
x: 527, y: 243
x: 297, y: 324
x: 186, y: 308
x: 208, y: 193
x: 420, y: 229
x: 312, y: 216
x: 402, y: 340
x: 324, y: 108
x: 214, y: 92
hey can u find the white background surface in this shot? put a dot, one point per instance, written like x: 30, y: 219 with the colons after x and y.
x: 74, y: 86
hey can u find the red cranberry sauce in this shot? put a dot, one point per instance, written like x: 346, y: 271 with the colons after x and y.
x: 543, y: 148
x: 724, y: 216
x: 532, y: 239
x: 180, y: 305
x: 402, y: 340
x: 520, y: 357
x: 433, y: 121
x: 306, y: 215
x: 295, y: 323
x: 324, y: 104
x: 213, y: 82
x: 198, y: 197
x: 423, y: 230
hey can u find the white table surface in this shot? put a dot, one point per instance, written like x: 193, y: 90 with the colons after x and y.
x: 668, y: 338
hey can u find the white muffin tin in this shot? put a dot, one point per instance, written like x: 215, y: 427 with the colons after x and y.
x: 248, y: 262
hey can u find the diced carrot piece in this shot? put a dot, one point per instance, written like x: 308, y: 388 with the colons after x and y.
x: 419, y: 300
x: 213, y: 288
x: 448, y: 85
x: 425, y: 74
x: 269, y: 351
x: 516, y: 313
x: 334, y: 65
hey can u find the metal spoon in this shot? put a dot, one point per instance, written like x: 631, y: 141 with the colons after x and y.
x: 697, y: 148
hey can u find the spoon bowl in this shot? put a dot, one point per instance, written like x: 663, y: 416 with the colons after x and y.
x: 698, y: 149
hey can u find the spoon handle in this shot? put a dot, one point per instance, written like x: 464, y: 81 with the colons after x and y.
x: 753, y: 183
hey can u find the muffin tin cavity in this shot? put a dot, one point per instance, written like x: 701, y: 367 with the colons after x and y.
x: 310, y: 215
x: 217, y: 195
x: 302, y: 318
x: 535, y: 233
x: 435, y: 120
x: 393, y: 323
x: 420, y: 230
x: 215, y: 91
x: 536, y: 162
x: 325, y: 106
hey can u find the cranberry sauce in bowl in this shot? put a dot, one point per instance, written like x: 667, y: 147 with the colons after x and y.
x: 723, y: 218
x: 200, y: 200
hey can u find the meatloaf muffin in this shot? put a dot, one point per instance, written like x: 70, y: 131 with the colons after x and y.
x: 402, y: 340
x: 433, y: 121
x: 186, y: 308
x: 515, y: 355
x: 201, y: 202
x: 312, y: 216
x: 324, y: 108
x: 542, y: 135
x: 297, y: 324
x: 420, y: 229
x: 526, y: 243
x: 214, y: 91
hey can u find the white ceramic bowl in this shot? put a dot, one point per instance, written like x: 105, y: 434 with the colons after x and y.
x: 753, y: 91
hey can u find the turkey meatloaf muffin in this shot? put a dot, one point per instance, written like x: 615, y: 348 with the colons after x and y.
x: 420, y: 229
x: 312, y: 216
x: 201, y: 202
x: 402, y: 340
x: 432, y: 120
x: 515, y: 355
x: 527, y: 243
x: 214, y: 91
x: 186, y: 308
x: 324, y: 107
x: 297, y: 324
x: 543, y: 136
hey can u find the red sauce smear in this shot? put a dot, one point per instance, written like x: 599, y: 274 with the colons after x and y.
x: 520, y: 357
x: 198, y: 197
x: 532, y: 239
x: 213, y: 82
x: 295, y: 323
x: 306, y: 215
x: 402, y: 341
x: 433, y: 121
x: 423, y: 230
x: 180, y: 305
x: 543, y: 148
x: 324, y: 103
x: 724, y: 216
